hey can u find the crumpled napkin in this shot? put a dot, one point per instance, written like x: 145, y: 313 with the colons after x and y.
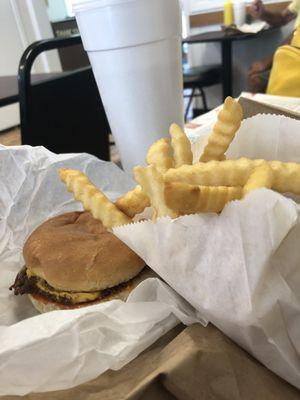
x: 63, y: 349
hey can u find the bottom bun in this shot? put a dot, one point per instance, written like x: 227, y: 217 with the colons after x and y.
x: 43, y: 305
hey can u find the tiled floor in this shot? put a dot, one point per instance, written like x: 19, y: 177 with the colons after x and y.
x: 13, y: 137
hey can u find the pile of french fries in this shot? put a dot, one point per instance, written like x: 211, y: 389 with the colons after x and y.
x: 174, y: 186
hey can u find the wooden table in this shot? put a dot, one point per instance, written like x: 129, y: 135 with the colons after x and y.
x: 9, y: 92
x: 226, y: 39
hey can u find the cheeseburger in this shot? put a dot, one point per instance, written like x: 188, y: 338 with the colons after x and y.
x: 73, y: 261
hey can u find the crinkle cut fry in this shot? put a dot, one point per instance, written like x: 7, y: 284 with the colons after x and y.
x: 93, y: 199
x: 133, y: 202
x: 160, y: 155
x: 152, y: 184
x: 182, y: 150
x: 228, y: 122
x: 261, y: 177
x: 214, y: 173
x: 286, y: 176
x: 190, y: 199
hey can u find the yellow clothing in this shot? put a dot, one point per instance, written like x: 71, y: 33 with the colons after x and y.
x: 296, y: 38
x: 285, y: 78
x: 294, y: 7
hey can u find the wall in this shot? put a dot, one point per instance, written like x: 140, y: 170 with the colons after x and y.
x: 214, y: 5
x: 35, y: 20
x: 21, y: 23
x: 11, y: 45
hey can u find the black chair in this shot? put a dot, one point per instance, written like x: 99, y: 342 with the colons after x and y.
x: 198, y: 78
x: 63, y: 113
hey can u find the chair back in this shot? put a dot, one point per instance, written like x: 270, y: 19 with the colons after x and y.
x: 64, y: 113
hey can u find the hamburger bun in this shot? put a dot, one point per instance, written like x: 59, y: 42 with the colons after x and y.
x: 74, y: 252
x: 72, y: 261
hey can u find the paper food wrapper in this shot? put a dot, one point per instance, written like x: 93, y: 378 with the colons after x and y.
x: 62, y: 349
x: 254, y: 27
x: 239, y: 269
x: 193, y: 363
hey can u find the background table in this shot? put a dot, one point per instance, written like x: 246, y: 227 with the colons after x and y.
x: 225, y: 38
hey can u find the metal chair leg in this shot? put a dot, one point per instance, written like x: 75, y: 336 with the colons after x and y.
x: 189, y: 104
x: 203, y: 95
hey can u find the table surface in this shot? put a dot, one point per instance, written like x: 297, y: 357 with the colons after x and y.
x: 222, y: 36
x: 9, y: 92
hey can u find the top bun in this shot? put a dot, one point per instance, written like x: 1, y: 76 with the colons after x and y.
x: 74, y: 252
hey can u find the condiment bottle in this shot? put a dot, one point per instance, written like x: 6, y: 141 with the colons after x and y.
x: 228, y: 13
x: 239, y: 10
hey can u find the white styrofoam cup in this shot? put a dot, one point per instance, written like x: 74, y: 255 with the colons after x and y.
x: 134, y: 47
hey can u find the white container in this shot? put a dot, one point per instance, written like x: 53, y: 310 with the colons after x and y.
x: 134, y: 47
x: 240, y: 12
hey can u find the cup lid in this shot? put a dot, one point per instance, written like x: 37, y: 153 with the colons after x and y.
x: 115, y: 24
x: 82, y: 5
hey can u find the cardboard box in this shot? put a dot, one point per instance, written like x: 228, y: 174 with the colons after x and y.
x: 253, y: 107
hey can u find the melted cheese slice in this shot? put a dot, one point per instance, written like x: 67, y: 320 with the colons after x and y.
x: 74, y: 297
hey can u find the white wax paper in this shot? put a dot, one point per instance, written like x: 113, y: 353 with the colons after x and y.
x: 62, y: 349
x: 239, y: 269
